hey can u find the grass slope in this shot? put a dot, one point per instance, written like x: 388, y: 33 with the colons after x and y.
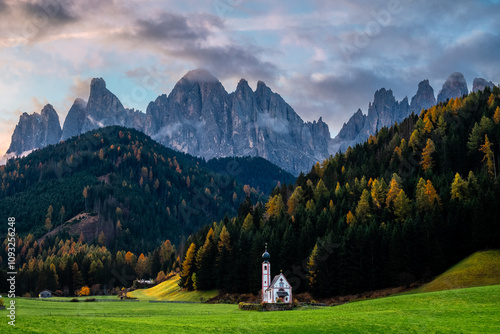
x: 473, y: 310
x: 170, y: 291
x: 479, y: 269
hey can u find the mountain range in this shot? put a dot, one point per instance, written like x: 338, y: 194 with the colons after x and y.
x: 201, y: 118
x: 385, y: 110
x: 198, y: 117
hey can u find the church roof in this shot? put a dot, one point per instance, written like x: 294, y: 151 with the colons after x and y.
x: 275, y: 280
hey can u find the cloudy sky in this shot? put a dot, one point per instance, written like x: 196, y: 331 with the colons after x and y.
x: 326, y: 58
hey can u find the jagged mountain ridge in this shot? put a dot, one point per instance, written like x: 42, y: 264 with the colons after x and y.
x: 385, y: 110
x: 201, y: 118
x: 36, y: 131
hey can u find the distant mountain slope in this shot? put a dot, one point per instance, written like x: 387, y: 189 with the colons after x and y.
x: 261, y: 174
x: 141, y: 191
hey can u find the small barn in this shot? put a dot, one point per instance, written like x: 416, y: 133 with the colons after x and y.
x: 45, y: 294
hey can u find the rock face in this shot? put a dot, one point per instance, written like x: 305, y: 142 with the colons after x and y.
x: 424, y: 99
x: 384, y: 111
x: 36, y: 131
x: 455, y: 86
x: 104, y: 109
x: 481, y: 84
x: 75, y: 119
x: 200, y: 118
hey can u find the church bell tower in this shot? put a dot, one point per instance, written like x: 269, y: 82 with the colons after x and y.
x: 266, y: 276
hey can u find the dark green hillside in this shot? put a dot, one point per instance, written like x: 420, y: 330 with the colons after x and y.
x: 140, y: 192
x: 406, y: 205
x: 255, y: 171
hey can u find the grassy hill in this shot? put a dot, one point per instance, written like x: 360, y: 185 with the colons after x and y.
x: 479, y: 269
x: 170, y: 291
x: 472, y: 310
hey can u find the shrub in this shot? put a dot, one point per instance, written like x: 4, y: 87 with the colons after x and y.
x: 250, y: 306
x: 90, y: 299
x: 1, y: 301
x: 74, y: 300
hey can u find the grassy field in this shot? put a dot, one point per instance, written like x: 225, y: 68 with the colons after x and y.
x: 473, y: 310
x: 479, y: 269
x: 170, y: 291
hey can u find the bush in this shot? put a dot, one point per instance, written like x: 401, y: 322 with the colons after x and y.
x: 74, y: 300
x: 90, y: 300
x: 1, y: 301
x: 250, y: 307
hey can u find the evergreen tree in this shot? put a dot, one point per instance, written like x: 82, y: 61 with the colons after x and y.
x: 188, y: 268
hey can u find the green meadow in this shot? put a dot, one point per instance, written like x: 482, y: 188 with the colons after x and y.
x: 471, y: 310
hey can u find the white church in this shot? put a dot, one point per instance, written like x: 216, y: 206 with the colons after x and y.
x: 279, y: 290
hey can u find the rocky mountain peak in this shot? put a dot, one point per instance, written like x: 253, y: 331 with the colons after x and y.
x: 36, y: 131
x: 481, y: 84
x: 424, y: 98
x: 454, y: 86
x: 74, y: 120
x: 200, y: 75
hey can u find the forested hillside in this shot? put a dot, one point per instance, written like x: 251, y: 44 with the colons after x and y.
x: 136, y: 191
x: 261, y: 174
x: 101, y: 208
x: 404, y: 206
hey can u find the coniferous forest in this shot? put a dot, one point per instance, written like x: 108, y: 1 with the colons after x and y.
x: 399, y: 208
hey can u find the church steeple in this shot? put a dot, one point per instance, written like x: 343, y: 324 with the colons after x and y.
x: 266, y: 276
x: 266, y: 256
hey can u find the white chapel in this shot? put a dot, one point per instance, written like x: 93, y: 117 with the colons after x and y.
x: 279, y: 290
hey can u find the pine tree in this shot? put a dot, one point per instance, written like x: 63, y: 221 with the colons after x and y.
x: 496, y: 116
x: 363, y: 207
x: 394, y: 189
x: 188, y: 268
x: 140, y: 267
x: 205, y: 259
x: 427, y: 162
x: 247, y: 223
x: 350, y: 219
x: 62, y: 214
x: 275, y: 206
x: 77, y: 276
x: 489, y: 156
x: 102, y: 239
x: 320, y: 191
x: 295, y: 200
x: 378, y: 192
x: 312, y: 267
x: 426, y: 196
x: 459, y: 188
x: 402, y: 206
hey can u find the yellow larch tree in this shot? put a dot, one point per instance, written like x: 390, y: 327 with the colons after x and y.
x: 427, y: 162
